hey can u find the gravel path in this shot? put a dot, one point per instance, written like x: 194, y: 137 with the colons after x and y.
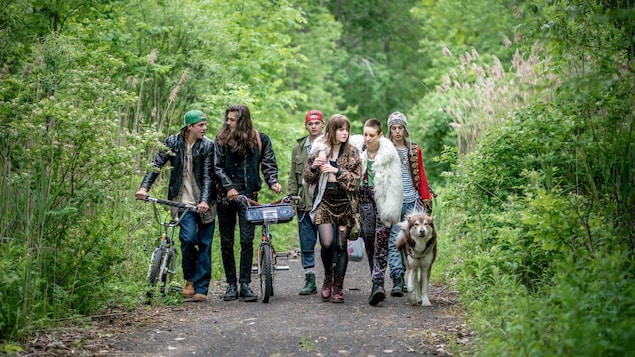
x: 294, y: 325
x: 289, y: 325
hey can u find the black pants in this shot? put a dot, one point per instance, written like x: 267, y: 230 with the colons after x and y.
x: 227, y: 214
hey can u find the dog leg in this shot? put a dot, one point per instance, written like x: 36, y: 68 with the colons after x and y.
x: 410, y: 275
x: 425, y: 277
x: 418, y: 282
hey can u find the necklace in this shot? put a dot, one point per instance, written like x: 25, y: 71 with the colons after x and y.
x: 403, y: 155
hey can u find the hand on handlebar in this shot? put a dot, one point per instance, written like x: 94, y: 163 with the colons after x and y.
x: 142, y: 194
x: 232, y: 194
x: 276, y: 187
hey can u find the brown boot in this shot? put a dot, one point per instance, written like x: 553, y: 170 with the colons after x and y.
x: 338, y: 291
x: 327, y: 286
x: 188, y: 291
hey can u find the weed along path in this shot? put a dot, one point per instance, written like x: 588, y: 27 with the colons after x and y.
x: 289, y: 325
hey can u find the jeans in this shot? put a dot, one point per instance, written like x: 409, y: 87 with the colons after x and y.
x: 226, y: 225
x: 395, y: 257
x: 196, y: 249
x: 308, y: 237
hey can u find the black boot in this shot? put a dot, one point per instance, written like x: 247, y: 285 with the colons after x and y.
x: 231, y: 293
x: 378, y: 294
x: 309, y: 285
x: 397, y: 286
x: 246, y: 293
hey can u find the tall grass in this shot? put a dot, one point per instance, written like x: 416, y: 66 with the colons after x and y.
x: 64, y: 224
x: 541, y: 252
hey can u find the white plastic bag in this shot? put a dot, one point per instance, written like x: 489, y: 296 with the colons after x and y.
x: 355, y: 250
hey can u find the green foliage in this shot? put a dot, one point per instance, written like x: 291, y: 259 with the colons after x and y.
x: 586, y: 312
x: 486, y: 26
x: 315, y: 78
x: 382, y: 72
x: 547, y: 253
x: 59, y: 191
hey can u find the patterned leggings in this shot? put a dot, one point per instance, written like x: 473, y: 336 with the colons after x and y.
x: 375, y: 234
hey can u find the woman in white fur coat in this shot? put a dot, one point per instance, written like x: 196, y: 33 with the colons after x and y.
x: 380, y: 200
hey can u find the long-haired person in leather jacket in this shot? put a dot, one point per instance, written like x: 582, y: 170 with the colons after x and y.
x: 191, y: 155
x: 240, y: 153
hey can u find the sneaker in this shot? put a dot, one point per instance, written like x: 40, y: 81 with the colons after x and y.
x: 188, y: 291
x: 199, y: 297
x: 231, y: 293
x: 246, y: 293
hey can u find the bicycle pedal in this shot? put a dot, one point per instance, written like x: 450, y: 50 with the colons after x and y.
x: 282, y: 267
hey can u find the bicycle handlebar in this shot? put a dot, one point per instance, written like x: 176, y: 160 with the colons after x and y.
x: 185, y: 206
x: 284, y: 200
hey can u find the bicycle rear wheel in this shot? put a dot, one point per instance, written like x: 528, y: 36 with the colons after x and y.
x: 155, y: 266
x: 266, y: 277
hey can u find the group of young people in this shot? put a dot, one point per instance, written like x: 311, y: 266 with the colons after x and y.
x: 338, y: 174
x: 335, y: 174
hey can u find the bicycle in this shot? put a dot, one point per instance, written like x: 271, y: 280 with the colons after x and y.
x: 164, y: 256
x: 276, y: 212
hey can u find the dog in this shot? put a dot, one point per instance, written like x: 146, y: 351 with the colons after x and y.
x: 418, y: 240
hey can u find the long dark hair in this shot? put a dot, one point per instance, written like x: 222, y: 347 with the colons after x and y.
x: 243, y: 139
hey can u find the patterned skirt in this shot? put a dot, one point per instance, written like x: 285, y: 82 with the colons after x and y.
x: 334, y: 208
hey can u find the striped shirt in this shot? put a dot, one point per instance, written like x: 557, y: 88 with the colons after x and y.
x: 410, y: 193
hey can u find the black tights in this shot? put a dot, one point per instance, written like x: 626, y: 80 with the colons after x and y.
x: 334, y: 249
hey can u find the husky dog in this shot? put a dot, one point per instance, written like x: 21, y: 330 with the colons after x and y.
x: 418, y: 240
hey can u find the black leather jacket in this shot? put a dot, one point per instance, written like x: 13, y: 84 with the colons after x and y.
x: 202, y: 156
x: 243, y: 173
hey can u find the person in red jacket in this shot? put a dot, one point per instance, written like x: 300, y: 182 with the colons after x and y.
x: 417, y: 194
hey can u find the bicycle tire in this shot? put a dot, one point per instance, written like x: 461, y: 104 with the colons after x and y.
x: 167, y: 269
x: 155, y: 266
x: 267, y: 273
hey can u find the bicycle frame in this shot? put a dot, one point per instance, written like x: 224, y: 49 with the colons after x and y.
x: 164, y: 256
x: 272, y: 213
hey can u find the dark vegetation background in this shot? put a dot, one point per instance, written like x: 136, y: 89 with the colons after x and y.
x: 524, y: 110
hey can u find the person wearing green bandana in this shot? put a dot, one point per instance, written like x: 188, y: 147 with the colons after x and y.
x: 191, y: 155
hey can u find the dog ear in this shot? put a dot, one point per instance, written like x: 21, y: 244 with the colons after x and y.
x: 404, y: 225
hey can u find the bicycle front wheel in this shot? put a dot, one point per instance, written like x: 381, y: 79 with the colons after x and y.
x: 155, y: 266
x: 266, y: 278
x: 167, y: 269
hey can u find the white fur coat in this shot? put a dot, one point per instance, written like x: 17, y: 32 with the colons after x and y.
x: 388, y: 188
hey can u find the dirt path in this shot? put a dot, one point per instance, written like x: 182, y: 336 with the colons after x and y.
x: 289, y: 325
